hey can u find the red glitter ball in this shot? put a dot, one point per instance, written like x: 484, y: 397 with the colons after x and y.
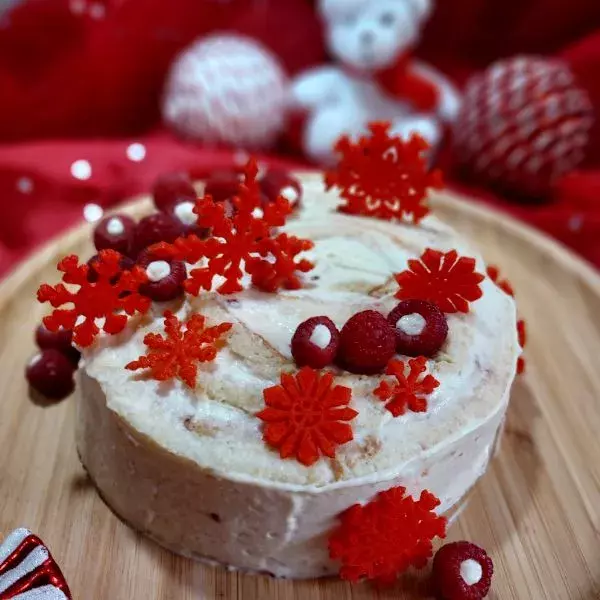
x: 172, y: 188
x: 385, y: 537
x: 449, y: 573
x: 447, y: 280
x: 61, y: 340
x: 305, y: 416
x: 164, y: 288
x: 277, y: 182
x: 408, y: 391
x: 50, y: 373
x: 222, y: 185
x: 114, y: 293
x: 433, y: 334
x: 242, y: 240
x: 383, y: 176
x: 159, y: 227
x: 307, y: 350
x: 367, y: 342
x: 178, y: 354
x: 187, y: 220
x: 115, y: 233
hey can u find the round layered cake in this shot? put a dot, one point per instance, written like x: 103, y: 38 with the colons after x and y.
x: 189, y: 467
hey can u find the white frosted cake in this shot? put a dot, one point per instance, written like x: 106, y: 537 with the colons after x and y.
x: 190, y: 468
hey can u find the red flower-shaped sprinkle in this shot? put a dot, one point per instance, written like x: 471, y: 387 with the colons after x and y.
x: 407, y: 391
x: 494, y: 274
x: 447, y: 280
x: 112, y: 293
x: 383, y: 176
x: 522, y: 332
x: 305, y: 415
x: 388, y: 535
x: 178, y: 354
x: 242, y: 240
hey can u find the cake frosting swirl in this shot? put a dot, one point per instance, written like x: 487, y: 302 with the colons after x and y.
x: 190, y: 467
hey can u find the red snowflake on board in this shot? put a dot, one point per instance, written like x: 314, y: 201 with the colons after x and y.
x: 383, y: 176
x: 505, y: 285
x: 242, y: 240
x: 447, y: 280
x: 112, y: 293
x: 178, y: 354
x: 407, y: 391
x: 385, y: 537
x: 305, y: 416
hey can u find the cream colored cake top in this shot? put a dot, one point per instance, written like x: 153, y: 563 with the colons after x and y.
x: 355, y: 259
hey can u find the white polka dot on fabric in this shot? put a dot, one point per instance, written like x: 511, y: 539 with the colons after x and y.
x: 81, y: 169
x: 92, y: 213
x: 77, y: 6
x: 575, y: 223
x: 136, y: 152
x: 97, y: 11
x: 25, y: 185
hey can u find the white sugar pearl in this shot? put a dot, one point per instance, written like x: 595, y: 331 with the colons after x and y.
x: 157, y: 270
x: 320, y: 336
x: 136, y: 152
x: 258, y: 213
x: 115, y: 226
x: 412, y: 324
x: 184, y: 211
x: 289, y: 193
x: 81, y: 169
x: 25, y: 185
x: 471, y: 571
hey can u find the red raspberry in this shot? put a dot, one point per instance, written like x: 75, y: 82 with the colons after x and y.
x: 158, y: 227
x: 421, y: 327
x: 165, y: 277
x: 184, y: 215
x: 172, y: 188
x: 277, y: 182
x: 115, y: 233
x: 222, y: 185
x: 125, y: 263
x: 50, y: 374
x: 315, y: 342
x: 462, y: 571
x: 367, y: 342
x: 60, y: 340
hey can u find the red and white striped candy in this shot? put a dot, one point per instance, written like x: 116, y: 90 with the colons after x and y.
x: 524, y: 123
x: 28, y: 571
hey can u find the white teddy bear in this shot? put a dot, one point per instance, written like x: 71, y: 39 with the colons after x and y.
x: 377, y: 79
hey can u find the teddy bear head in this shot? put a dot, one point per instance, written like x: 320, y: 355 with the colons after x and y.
x: 372, y: 34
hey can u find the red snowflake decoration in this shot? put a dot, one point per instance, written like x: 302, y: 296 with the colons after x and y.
x: 178, y: 354
x: 383, y: 176
x: 505, y: 285
x: 112, y: 293
x: 243, y: 241
x: 447, y: 280
x: 494, y: 274
x: 305, y: 416
x: 385, y: 537
x: 407, y: 391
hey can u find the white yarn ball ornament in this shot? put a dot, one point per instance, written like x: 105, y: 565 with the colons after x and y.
x: 227, y: 89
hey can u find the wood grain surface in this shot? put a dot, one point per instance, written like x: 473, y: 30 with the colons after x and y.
x: 537, y: 510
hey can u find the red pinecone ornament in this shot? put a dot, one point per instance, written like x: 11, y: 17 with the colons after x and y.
x: 525, y: 122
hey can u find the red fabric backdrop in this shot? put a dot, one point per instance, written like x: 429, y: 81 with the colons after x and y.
x: 74, y: 71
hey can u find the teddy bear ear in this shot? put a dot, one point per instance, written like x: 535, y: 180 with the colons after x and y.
x: 422, y: 8
x: 333, y: 10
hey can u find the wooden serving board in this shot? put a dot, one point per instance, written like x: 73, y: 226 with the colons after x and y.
x: 537, y: 510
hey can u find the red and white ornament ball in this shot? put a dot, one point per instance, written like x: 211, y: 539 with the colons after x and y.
x: 227, y: 89
x: 524, y: 123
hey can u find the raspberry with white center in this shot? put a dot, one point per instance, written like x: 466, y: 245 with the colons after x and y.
x: 183, y: 214
x: 367, y: 342
x: 315, y: 342
x: 159, y: 227
x: 421, y: 327
x: 50, y: 373
x: 277, y: 182
x: 115, y: 233
x: 165, y: 277
x: 222, y: 185
x: 173, y: 188
x: 462, y: 571
x: 61, y: 340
